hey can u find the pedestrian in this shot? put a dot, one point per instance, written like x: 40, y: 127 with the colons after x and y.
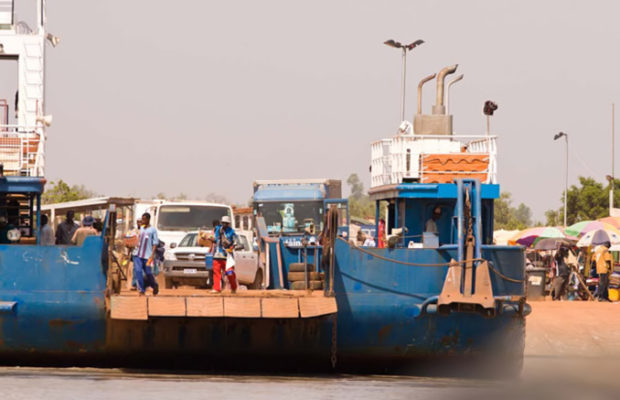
x: 144, y: 258
x: 603, y: 269
x: 47, y: 233
x: 66, y: 229
x: 562, y: 272
x: 369, y: 241
x: 225, y: 241
x: 381, y: 233
x: 431, y: 224
x: 84, y: 231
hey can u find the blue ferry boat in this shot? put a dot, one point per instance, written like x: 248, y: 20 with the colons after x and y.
x: 427, y: 295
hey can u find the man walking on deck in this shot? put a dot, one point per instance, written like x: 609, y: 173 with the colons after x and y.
x: 144, y: 258
x: 225, y: 241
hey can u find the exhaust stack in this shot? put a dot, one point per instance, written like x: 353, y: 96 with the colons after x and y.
x: 436, y: 123
x: 422, y: 82
x: 439, y: 108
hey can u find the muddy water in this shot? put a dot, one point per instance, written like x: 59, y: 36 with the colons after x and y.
x: 572, y: 352
x: 85, y: 383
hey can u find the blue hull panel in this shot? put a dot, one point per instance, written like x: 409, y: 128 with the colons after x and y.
x: 60, y: 309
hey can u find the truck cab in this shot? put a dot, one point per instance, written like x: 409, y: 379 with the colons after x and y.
x: 294, y: 207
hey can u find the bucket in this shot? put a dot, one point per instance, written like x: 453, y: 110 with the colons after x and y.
x: 614, y: 294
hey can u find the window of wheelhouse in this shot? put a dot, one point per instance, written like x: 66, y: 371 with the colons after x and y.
x: 17, y: 218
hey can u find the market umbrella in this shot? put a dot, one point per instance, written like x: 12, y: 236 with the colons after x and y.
x: 599, y: 236
x: 552, y: 243
x: 581, y: 228
x: 532, y: 235
x: 614, y: 221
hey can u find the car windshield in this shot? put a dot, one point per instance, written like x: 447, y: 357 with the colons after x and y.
x: 291, y: 217
x: 189, y: 217
x: 189, y: 240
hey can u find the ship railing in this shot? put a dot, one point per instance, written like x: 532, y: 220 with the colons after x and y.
x: 398, y: 159
x: 22, y: 150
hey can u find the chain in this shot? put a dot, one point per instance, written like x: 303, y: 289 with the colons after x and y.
x: 334, y: 348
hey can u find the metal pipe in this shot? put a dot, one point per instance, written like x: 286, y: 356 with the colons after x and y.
x: 440, y: 82
x: 422, y: 82
x: 459, y: 218
x: 452, y: 82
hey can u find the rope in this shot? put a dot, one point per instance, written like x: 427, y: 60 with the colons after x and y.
x: 507, y: 278
x: 447, y: 264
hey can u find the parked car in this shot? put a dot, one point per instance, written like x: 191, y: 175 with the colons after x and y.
x: 190, y: 264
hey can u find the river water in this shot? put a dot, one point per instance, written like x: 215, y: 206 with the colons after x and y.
x: 87, y: 383
x: 26, y: 383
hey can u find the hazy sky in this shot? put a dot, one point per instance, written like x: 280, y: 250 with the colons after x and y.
x: 201, y: 96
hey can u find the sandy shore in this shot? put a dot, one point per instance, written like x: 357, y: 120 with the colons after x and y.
x: 573, y: 345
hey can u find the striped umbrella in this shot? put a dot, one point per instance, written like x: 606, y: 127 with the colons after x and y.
x: 615, y: 221
x: 531, y: 236
x: 581, y: 228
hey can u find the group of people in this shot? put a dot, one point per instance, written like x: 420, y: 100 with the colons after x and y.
x: 565, y: 257
x: 144, y: 255
x: 68, y: 232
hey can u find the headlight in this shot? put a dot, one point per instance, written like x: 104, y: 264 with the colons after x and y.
x: 169, y: 256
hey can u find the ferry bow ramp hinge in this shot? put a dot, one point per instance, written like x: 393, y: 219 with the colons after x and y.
x: 453, y: 297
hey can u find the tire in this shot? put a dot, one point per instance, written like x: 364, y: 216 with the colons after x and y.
x: 258, y: 280
x: 301, y: 285
x: 301, y: 276
x: 300, y: 267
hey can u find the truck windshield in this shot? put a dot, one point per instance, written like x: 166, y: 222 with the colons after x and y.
x: 189, y: 217
x: 291, y: 217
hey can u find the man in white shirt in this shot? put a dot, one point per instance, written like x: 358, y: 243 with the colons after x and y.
x: 47, y: 233
x: 431, y: 224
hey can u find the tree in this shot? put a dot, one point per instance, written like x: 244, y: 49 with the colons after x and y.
x: 360, y: 204
x: 216, y: 198
x: 588, y: 201
x: 61, y: 191
x: 357, y: 187
x: 508, y: 217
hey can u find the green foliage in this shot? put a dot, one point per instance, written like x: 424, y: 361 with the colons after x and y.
x: 508, y: 217
x: 588, y: 201
x: 360, y: 204
x: 61, y: 191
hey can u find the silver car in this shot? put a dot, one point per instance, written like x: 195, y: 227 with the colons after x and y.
x: 190, y: 264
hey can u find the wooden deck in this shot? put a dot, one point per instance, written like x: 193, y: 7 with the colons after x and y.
x: 197, y: 303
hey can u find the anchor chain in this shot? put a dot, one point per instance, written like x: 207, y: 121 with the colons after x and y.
x: 334, y: 348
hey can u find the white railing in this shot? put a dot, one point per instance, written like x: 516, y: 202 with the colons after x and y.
x: 22, y: 150
x: 399, y: 159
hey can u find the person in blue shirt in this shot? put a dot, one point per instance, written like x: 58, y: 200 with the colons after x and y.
x: 143, y: 258
x: 225, y: 241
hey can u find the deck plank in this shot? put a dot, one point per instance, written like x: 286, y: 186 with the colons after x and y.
x: 317, y: 306
x: 167, y: 306
x: 125, y: 307
x: 280, y: 308
x: 242, y: 307
x: 205, y: 306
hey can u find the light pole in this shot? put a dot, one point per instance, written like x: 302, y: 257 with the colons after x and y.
x: 405, y: 48
x: 612, y: 182
x: 556, y: 137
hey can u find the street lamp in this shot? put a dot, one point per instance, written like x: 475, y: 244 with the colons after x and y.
x: 556, y: 137
x: 405, y: 48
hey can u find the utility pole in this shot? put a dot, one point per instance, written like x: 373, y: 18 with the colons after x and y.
x: 556, y: 137
x: 612, y: 184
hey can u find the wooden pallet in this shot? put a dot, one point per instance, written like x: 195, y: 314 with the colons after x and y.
x: 200, y: 304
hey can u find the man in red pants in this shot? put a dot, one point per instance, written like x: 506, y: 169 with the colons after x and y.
x: 226, y: 240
